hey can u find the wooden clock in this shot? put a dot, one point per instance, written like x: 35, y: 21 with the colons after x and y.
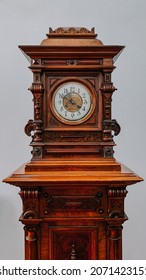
x: 72, y: 189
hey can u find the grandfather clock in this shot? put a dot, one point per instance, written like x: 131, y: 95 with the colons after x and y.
x: 72, y: 189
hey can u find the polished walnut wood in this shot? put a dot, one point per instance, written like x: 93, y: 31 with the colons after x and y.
x: 72, y: 189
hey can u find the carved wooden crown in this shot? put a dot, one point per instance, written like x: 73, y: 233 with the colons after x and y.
x: 72, y: 32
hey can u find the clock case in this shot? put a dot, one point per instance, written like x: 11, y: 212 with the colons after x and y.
x: 78, y: 57
x: 73, y: 189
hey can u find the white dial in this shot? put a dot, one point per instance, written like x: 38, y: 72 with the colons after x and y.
x: 72, y: 101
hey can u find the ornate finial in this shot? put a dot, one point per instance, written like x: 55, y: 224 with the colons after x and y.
x: 72, y: 32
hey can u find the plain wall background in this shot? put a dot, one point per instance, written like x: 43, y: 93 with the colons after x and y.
x: 118, y: 22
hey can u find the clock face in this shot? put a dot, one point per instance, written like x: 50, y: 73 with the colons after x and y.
x: 72, y: 102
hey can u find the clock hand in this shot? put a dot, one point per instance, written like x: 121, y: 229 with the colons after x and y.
x: 72, y: 102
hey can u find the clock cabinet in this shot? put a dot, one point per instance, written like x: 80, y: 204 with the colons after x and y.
x: 72, y: 189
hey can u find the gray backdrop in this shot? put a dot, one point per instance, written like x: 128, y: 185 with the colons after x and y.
x: 120, y: 22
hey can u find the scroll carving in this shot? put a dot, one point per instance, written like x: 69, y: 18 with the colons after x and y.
x: 29, y: 128
x: 30, y: 198
x: 116, y: 202
x: 108, y: 126
x: 115, y: 127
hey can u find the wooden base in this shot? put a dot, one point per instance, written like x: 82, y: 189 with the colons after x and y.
x: 73, y: 209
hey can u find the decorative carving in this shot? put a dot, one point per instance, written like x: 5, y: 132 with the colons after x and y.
x: 30, y: 215
x: 30, y: 198
x: 116, y: 202
x: 90, y: 62
x: 36, y: 88
x: 108, y: 126
x: 29, y: 193
x: 108, y: 88
x: 108, y: 152
x: 72, y: 136
x: 117, y: 192
x: 72, y: 31
x: 38, y: 131
x: 115, y: 127
x: 107, y: 97
x: 107, y: 135
x: 53, y: 80
x: 70, y: 203
x: 37, y: 152
x: 29, y: 127
x: 73, y: 253
x: 107, y: 77
x: 53, y: 122
x: 115, y: 232
x: 72, y: 245
x: 72, y: 62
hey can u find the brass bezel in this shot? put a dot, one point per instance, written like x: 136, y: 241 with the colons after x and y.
x: 92, y: 95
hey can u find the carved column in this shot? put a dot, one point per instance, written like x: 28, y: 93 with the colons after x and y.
x: 114, y: 244
x: 30, y: 218
x: 107, y: 90
x: 35, y: 125
x: 31, y: 246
